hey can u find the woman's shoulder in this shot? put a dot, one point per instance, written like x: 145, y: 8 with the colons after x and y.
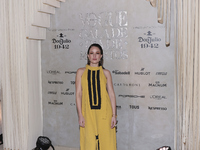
x: 106, y: 72
x: 80, y: 70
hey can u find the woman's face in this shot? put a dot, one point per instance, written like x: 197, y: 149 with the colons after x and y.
x: 94, y: 55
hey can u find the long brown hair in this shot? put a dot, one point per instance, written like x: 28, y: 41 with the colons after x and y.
x: 101, y: 50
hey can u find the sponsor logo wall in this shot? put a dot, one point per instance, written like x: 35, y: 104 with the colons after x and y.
x: 134, y: 52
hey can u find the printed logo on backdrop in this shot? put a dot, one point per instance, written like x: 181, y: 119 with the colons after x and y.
x: 131, y: 96
x: 72, y: 104
x: 55, y: 82
x: 67, y: 92
x: 61, y: 42
x: 109, y: 29
x: 157, y: 84
x: 134, y: 106
x: 149, y: 40
x: 52, y: 92
x: 118, y: 107
x: 157, y: 108
x: 127, y: 84
x: 70, y: 72
x: 53, y: 72
x: 158, y: 97
x: 161, y: 73
x: 117, y: 72
x: 55, y: 102
x: 142, y: 72
x: 72, y: 82
x: 149, y: 27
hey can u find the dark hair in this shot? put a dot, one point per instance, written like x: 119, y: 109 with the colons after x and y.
x: 101, y: 50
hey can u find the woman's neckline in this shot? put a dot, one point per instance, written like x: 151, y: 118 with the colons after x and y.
x: 93, y: 68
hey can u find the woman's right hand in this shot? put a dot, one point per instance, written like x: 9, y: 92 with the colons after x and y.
x: 81, y: 121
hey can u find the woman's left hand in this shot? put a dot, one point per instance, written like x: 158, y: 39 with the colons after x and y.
x: 113, y: 122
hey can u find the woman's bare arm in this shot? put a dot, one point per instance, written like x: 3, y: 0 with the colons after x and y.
x: 111, y: 94
x: 79, y: 96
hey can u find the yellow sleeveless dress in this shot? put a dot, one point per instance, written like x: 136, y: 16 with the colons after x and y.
x: 97, y: 112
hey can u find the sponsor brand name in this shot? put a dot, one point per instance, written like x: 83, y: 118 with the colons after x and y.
x: 157, y: 108
x: 126, y: 84
x: 132, y: 96
x: 134, y: 106
x: 118, y: 107
x: 53, y: 72
x: 61, y: 41
x: 149, y: 40
x: 70, y: 72
x: 72, y: 104
x: 52, y: 92
x: 157, y: 84
x: 142, y: 73
x: 158, y: 97
x: 117, y: 72
x: 55, y: 82
x: 55, y: 102
x: 161, y: 73
x: 67, y: 93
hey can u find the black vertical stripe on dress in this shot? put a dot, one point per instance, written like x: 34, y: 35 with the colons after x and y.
x: 89, y: 88
x: 94, y: 87
x: 95, y: 81
x: 97, y: 144
x: 99, y: 88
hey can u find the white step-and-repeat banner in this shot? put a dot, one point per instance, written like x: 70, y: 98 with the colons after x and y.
x: 142, y: 69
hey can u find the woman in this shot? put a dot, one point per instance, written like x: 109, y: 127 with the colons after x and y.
x: 96, y: 103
